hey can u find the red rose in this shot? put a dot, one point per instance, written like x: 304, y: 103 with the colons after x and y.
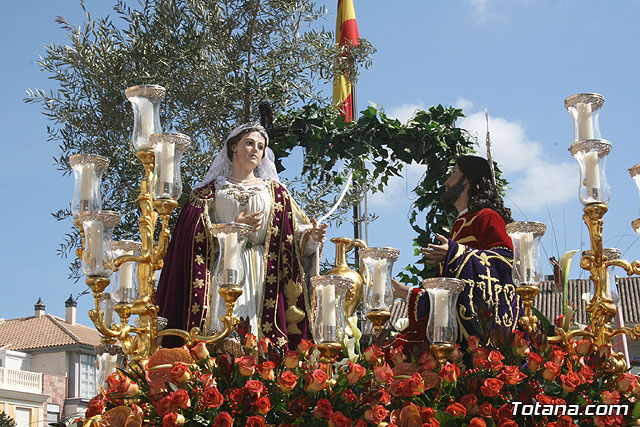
x: 626, y: 381
x: 559, y: 321
x: 223, y: 420
x: 470, y: 402
x: 287, y: 381
x: 292, y: 359
x: 570, y: 382
x: 583, y: 346
x: 249, y: 341
x: 473, y: 342
x: 609, y: 420
x: 236, y: 395
x: 317, y: 380
x: 534, y: 361
x: 551, y: 371
x: 557, y: 355
x: 409, y: 387
x: 356, y: 372
x: 323, y: 409
x: 212, y: 398
x: 361, y: 423
x: 246, y: 365
x: 255, y: 421
x: 208, y: 380
x: 173, y: 419
x: 508, y: 423
x: 396, y: 355
x: 491, y: 387
x: 165, y: 406
x: 450, y: 372
x: 477, y: 422
x: 266, y: 370
x: 255, y: 387
x: 608, y: 397
x: 586, y: 374
x: 263, y: 405
x: 339, y: 420
x: 375, y: 414
x: 505, y: 412
x: 481, y: 357
x: 180, y: 373
x: 427, y: 361
x: 181, y: 398
x: 495, y: 359
x: 263, y: 345
x: 487, y: 410
x: 456, y: 410
x: 512, y: 375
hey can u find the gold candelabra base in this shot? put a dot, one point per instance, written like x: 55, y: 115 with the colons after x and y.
x: 527, y: 294
x: 378, y: 319
x: 441, y: 351
x: 329, y: 350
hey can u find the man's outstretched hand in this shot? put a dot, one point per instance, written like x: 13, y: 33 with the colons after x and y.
x: 435, y: 254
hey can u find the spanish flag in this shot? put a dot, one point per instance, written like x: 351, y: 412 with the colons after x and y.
x: 346, y: 34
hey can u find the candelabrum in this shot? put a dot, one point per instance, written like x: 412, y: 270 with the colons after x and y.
x: 160, y: 187
x: 377, y: 272
x: 442, y: 325
x: 590, y: 151
x: 527, y: 270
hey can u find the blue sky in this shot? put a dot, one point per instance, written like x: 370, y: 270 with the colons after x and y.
x: 519, y: 58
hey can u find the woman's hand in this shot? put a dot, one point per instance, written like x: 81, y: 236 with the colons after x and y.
x: 254, y: 219
x: 318, y: 231
x: 399, y: 290
x: 435, y: 254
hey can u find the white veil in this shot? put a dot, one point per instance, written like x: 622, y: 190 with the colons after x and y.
x: 221, y: 166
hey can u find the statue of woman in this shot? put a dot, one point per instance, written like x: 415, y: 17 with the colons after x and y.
x: 242, y: 186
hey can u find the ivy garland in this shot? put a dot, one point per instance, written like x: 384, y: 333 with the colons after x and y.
x: 376, y: 148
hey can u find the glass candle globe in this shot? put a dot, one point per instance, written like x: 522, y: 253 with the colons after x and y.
x: 145, y: 100
x: 97, y: 257
x: 329, y: 294
x: 610, y: 285
x: 377, y: 274
x: 87, y: 173
x: 125, y: 286
x: 168, y: 149
x: 525, y: 236
x: 232, y: 239
x: 442, y: 325
x: 591, y: 156
x: 585, y: 110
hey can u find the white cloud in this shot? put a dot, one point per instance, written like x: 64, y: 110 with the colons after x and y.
x: 482, y: 12
x: 405, y: 111
x: 532, y: 176
x: 463, y: 103
x: 399, y: 190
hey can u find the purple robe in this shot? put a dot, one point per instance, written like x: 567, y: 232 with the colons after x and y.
x: 186, y: 285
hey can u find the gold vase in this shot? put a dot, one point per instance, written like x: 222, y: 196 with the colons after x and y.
x: 354, y: 295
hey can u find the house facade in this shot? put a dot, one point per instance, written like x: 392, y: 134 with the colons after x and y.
x: 47, y: 366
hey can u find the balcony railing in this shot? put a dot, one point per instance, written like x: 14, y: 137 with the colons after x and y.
x: 16, y: 380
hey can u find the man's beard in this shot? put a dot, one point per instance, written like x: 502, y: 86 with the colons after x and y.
x: 452, y: 193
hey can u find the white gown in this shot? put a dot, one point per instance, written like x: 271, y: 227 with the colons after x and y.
x: 230, y: 200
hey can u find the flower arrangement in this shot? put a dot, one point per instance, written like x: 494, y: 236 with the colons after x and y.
x: 384, y: 386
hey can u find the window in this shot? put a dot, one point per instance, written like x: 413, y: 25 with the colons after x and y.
x: 88, y: 376
x: 23, y: 417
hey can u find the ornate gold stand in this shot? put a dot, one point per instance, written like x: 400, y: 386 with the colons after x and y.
x: 378, y: 319
x: 527, y: 294
x: 441, y: 351
x: 329, y: 350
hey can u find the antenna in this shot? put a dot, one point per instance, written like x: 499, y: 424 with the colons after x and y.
x: 489, y: 158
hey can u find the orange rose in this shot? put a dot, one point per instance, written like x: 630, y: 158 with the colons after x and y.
x: 266, y: 370
x: 173, y: 419
x: 481, y: 358
x: 339, y: 420
x: 610, y: 397
x: 263, y: 405
x: 396, y: 355
x: 246, y: 365
x: 263, y: 345
x: 287, y: 381
x: 557, y: 355
x: 534, y: 361
x: 200, y: 351
x: 491, y: 387
x: 512, y: 375
x: 375, y: 414
x: 626, y: 382
x: 317, y: 380
x: 356, y: 372
x: 373, y: 353
x: 473, y: 342
x: 165, y: 406
x: 551, y: 371
x: 586, y: 374
x: 427, y: 361
x: 477, y: 422
x: 180, y: 373
x: 96, y: 407
x: 383, y: 374
x: 181, y: 398
x: 255, y: 387
x: 495, y: 360
x: 305, y: 346
x: 583, y: 346
x: 570, y: 382
x: 256, y: 421
x: 470, y: 402
x: 449, y: 372
x: 456, y: 410
x: 292, y: 359
x: 487, y: 410
x: 249, y: 341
